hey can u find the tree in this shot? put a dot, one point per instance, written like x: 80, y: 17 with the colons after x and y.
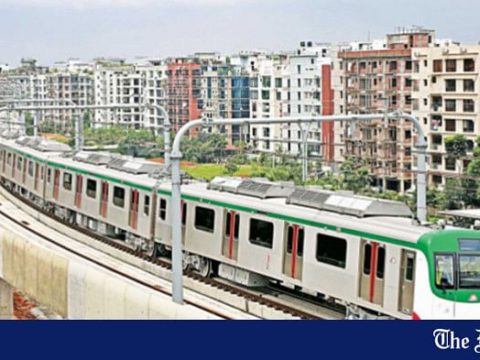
x: 204, y: 148
x: 29, y: 124
x: 355, y: 175
x: 456, y: 147
x: 230, y: 167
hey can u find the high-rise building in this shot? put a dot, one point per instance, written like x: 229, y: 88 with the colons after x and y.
x: 375, y: 78
x: 446, y: 100
x: 310, y: 94
x: 183, y: 90
x: 133, y: 86
x: 268, y: 99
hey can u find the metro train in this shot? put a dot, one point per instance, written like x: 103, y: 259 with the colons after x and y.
x: 369, y: 255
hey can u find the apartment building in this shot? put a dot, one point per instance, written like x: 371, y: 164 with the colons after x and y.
x: 225, y: 93
x: 375, y: 78
x: 446, y: 99
x: 133, y: 86
x: 269, y: 84
x: 310, y: 95
x: 183, y: 90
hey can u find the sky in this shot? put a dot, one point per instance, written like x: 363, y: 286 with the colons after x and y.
x: 55, y: 30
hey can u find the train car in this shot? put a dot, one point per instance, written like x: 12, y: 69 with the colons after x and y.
x: 369, y: 255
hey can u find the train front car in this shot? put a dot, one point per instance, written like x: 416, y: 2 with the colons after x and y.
x: 448, y: 275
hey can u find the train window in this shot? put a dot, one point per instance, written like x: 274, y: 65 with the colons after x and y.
x: 162, y: 213
x: 301, y: 235
x: 49, y: 175
x: 9, y: 159
x: 237, y: 225
x: 184, y: 213
x: 367, y: 258
x: 409, y: 269
x: 146, y: 205
x: 444, y: 271
x: 91, y: 188
x: 118, y: 196
x: 67, y: 181
x: 331, y: 250
x: 380, y: 262
x: 204, y: 219
x: 42, y: 171
x: 261, y: 233
x: 469, y: 272
x: 19, y: 163
x: 30, y: 168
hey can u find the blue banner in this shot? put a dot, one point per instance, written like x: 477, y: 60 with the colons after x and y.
x: 241, y: 339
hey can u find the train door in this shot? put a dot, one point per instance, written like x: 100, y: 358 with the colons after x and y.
x: 37, y: 174
x: 407, y: 281
x: 78, y: 191
x: 14, y: 165
x: 104, y: 199
x: 24, y: 170
x: 4, y: 163
x: 183, y: 216
x: 56, y: 183
x: 230, y: 238
x: 372, y: 266
x: 133, y: 214
x: 293, y: 251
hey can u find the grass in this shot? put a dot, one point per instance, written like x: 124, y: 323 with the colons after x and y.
x: 209, y: 171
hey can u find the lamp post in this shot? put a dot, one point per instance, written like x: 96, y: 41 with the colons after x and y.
x: 175, y: 157
x: 167, y: 126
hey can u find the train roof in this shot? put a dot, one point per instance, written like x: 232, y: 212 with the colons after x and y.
x: 262, y: 197
x: 392, y: 227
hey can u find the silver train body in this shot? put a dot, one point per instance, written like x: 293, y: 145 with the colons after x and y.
x: 252, y: 236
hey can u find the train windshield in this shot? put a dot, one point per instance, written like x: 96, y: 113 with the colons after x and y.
x: 444, y: 271
x: 469, y: 271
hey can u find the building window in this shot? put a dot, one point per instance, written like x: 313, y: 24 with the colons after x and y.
x: 67, y: 181
x: 468, y: 85
x: 204, y: 219
x: 300, y: 239
x: 468, y: 126
x: 331, y: 250
x: 437, y: 66
x: 266, y: 81
x: 278, y: 82
x: 451, y: 65
x: 265, y: 95
x: 228, y: 223
x: 450, y: 105
x: 450, y: 85
x: 146, y: 205
x: 162, y: 211
x: 261, y: 233
x: 118, y: 196
x: 468, y: 105
x: 450, y: 125
x: 450, y: 164
x: 91, y: 188
x: 468, y: 65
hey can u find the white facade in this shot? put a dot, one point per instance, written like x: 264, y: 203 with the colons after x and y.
x: 446, y: 99
x: 269, y: 84
x: 305, y: 71
x: 132, y: 86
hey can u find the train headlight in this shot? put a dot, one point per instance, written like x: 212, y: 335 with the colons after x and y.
x: 473, y: 298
